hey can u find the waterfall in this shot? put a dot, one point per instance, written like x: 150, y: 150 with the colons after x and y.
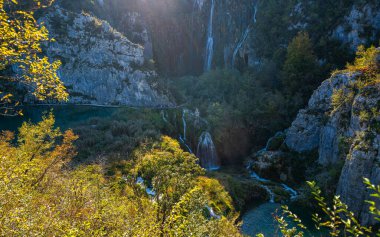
x: 293, y: 193
x: 270, y: 193
x: 257, y: 177
x: 140, y: 181
x: 244, y: 36
x: 240, y: 44
x: 182, y: 138
x: 210, y: 40
x: 206, y: 152
x: 163, y: 116
x: 184, y: 124
x: 212, y: 213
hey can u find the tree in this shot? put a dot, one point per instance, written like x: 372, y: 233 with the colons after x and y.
x: 20, y: 48
x: 300, y: 67
x: 170, y: 171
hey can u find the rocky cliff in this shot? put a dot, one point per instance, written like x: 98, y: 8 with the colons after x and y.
x: 99, y: 64
x: 338, y: 131
x: 246, y: 33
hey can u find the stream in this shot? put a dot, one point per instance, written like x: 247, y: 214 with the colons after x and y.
x: 257, y: 219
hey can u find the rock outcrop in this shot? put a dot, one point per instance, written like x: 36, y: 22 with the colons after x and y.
x: 358, y: 23
x: 317, y: 126
x: 341, y: 125
x: 99, y: 65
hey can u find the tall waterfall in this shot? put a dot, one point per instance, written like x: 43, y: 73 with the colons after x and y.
x: 210, y: 40
x: 206, y: 152
x: 244, y: 36
x: 182, y: 137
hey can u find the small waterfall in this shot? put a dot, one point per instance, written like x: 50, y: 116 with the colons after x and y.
x: 140, y: 181
x: 270, y: 193
x: 258, y: 178
x: 293, y: 193
x: 184, y: 124
x: 164, y: 117
x: 212, y: 213
x: 182, y: 138
x: 210, y: 40
x: 206, y: 152
x: 244, y: 37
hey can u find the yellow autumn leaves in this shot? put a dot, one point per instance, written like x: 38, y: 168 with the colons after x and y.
x: 20, y: 46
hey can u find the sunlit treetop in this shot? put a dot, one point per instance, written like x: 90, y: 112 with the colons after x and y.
x: 20, y: 47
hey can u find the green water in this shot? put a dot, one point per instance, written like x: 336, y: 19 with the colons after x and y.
x: 260, y: 219
x: 67, y: 116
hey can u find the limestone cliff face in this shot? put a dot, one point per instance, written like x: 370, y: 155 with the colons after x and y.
x: 99, y: 64
x: 246, y: 33
x: 318, y: 127
x: 341, y: 125
x: 360, y: 25
x: 363, y: 159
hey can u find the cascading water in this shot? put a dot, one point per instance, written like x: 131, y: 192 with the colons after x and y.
x: 206, y: 152
x: 293, y: 193
x: 210, y: 40
x: 182, y: 138
x: 212, y: 213
x: 270, y: 193
x: 244, y: 37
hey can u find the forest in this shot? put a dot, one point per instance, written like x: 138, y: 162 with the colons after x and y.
x: 189, y: 118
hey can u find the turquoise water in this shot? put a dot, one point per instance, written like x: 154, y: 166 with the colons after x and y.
x: 66, y: 116
x: 260, y: 219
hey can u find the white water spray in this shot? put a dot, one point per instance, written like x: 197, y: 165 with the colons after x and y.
x: 206, y: 152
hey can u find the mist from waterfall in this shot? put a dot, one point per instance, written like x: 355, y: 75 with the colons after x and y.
x: 206, y: 152
x: 210, y: 40
x: 244, y: 37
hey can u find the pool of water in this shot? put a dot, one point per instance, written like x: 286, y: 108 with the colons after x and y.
x: 66, y: 116
x: 260, y: 219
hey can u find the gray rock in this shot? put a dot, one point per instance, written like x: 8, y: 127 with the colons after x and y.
x: 364, y: 157
x: 99, y: 65
x: 352, y: 30
x: 310, y: 130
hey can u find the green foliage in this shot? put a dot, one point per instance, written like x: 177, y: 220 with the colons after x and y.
x: 375, y: 189
x: 300, y: 67
x: 284, y: 225
x: 339, y: 218
x: 41, y: 195
x: 342, y: 97
x: 336, y: 219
